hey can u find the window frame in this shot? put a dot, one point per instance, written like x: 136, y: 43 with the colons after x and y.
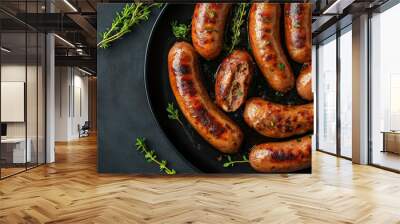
x: 338, y: 33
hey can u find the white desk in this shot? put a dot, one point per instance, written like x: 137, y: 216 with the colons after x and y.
x: 18, y: 144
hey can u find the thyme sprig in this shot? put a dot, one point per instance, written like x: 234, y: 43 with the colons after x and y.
x: 151, y: 156
x: 181, y: 30
x: 173, y: 113
x: 131, y: 15
x: 232, y: 163
x: 238, y: 20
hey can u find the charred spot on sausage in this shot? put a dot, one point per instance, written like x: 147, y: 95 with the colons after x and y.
x: 181, y: 69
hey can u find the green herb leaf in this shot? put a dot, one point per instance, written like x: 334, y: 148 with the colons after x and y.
x: 173, y: 113
x: 180, y: 31
x: 237, y: 22
x: 298, y: 140
x: 150, y: 156
x: 131, y: 15
x: 232, y: 163
x: 281, y: 66
x: 239, y: 92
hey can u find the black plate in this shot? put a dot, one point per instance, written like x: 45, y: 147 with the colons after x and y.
x: 186, y: 140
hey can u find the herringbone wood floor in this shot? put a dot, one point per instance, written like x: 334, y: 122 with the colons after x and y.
x: 70, y: 191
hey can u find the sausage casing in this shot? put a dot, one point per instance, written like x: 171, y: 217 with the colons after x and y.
x: 205, y: 117
x: 265, y: 41
x: 298, y: 31
x: 208, y: 25
x: 277, y: 120
x: 304, y: 83
x: 281, y: 157
x: 233, y: 79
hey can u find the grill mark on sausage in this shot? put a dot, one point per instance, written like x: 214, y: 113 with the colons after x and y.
x: 299, y: 42
x: 299, y: 38
x: 269, y: 57
x: 181, y: 69
x: 185, y: 86
x: 207, y: 120
x: 280, y: 155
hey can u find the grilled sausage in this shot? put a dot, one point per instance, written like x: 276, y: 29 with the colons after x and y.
x: 233, y: 79
x: 265, y: 41
x: 276, y: 120
x: 304, y: 83
x: 281, y: 157
x: 208, y: 24
x: 210, y: 122
x: 298, y: 31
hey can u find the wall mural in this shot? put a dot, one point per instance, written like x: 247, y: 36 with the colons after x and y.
x: 205, y: 88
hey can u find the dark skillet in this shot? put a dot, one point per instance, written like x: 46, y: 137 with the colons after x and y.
x: 196, y: 150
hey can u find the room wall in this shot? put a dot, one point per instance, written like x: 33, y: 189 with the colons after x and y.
x: 16, y: 73
x: 69, y: 112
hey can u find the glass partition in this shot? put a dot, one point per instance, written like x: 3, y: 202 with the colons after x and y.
x: 22, y: 101
x: 13, y: 109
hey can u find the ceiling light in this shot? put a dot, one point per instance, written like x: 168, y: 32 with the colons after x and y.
x: 70, y: 5
x: 337, y: 7
x: 84, y: 71
x: 65, y: 41
x: 5, y: 50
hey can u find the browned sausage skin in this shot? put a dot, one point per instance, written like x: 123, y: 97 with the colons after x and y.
x: 205, y: 117
x: 208, y: 24
x: 265, y: 41
x: 276, y: 120
x: 298, y: 31
x: 286, y: 156
x: 304, y: 83
x: 233, y: 79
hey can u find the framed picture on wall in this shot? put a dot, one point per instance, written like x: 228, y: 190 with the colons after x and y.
x: 12, y: 101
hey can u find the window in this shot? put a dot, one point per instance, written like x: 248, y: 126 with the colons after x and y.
x: 385, y: 89
x: 346, y: 74
x: 327, y: 95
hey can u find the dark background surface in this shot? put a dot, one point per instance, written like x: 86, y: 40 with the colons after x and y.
x: 123, y: 111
